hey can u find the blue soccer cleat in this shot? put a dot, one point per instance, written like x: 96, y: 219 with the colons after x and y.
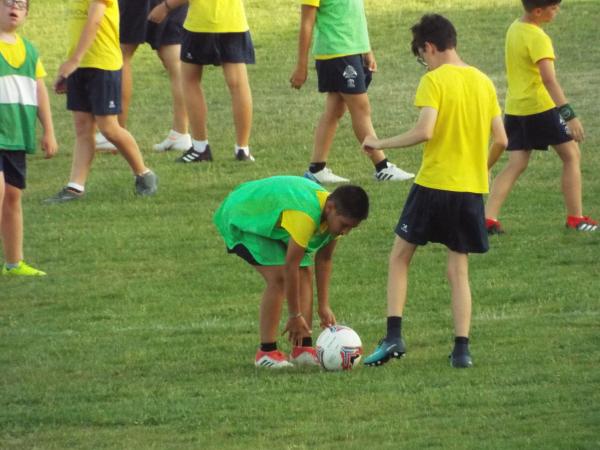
x: 384, y: 351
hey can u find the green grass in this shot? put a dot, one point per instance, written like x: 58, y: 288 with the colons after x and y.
x: 143, y: 334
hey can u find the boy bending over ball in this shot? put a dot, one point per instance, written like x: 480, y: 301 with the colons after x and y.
x: 276, y: 225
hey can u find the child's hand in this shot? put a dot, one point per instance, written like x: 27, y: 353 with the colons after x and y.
x: 369, y: 144
x: 370, y: 63
x: 576, y: 129
x: 299, y: 77
x: 327, y: 317
x: 296, y: 328
x: 60, y: 85
x: 49, y: 145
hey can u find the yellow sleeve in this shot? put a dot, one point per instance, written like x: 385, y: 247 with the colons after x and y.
x: 427, y: 94
x: 300, y: 226
x: 40, y: 72
x: 315, y: 3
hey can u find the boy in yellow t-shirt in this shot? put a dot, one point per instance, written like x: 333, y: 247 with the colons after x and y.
x: 91, y: 78
x: 537, y: 115
x: 215, y: 33
x: 23, y: 99
x: 459, y: 107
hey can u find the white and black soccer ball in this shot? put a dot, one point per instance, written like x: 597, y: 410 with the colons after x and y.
x: 339, y: 348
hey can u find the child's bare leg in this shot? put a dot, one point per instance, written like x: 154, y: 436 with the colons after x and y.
x: 128, y: 51
x: 360, y: 113
x: 571, y: 177
x: 12, y: 224
x: 195, y: 104
x: 85, y: 147
x: 272, y: 301
x: 169, y: 55
x: 124, y: 141
x: 327, y: 126
x: 399, y: 262
x: 236, y: 77
x: 458, y: 276
x: 306, y: 295
x: 504, y: 182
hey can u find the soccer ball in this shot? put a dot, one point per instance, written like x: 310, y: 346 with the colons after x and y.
x: 339, y: 348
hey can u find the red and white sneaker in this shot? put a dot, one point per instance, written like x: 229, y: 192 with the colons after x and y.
x: 271, y: 360
x: 304, y: 356
x: 581, y: 223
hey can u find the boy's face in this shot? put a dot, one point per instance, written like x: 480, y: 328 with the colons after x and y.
x: 546, y: 14
x: 337, y: 224
x: 12, y: 13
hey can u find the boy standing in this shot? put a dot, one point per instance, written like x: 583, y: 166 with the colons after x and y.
x: 215, y: 33
x: 23, y: 96
x: 276, y: 224
x: 344, y: 63
x: 164, y: 38
x: 91, y: 78
x: 459, y: 107
x: 537, y: 114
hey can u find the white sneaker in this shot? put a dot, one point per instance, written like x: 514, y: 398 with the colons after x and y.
x: 179, y: 142
x: 393, y: 173
x: 325, y: 175
x: 103, y: 145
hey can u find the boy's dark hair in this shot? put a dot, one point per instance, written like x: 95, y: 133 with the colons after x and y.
x: 351, y: 201
x: 530, y: 5
x: 434, y: 29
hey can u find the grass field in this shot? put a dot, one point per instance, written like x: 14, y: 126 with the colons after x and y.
x: 143, y: 334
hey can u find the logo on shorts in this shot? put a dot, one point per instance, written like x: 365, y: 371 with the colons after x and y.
x: 188, y: 55
x: 111, y: 104
x: 350, y: 75
x: 404, y: 228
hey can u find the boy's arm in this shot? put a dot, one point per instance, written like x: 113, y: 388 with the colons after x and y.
x: 500, y: 141
x: 307, y: 23
x: 49, y: 145
x: 421, y: 132
x: 323, y: 267
x: 296, y: 325
x: 548, y: 74
x: 162, y: 10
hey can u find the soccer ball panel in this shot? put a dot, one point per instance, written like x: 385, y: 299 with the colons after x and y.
x: 339, y: 348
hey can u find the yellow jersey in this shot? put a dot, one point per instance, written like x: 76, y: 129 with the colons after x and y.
x: 455, y: 158
x: 105, y: 51
x: 526, y: 45
x: 216, y: 16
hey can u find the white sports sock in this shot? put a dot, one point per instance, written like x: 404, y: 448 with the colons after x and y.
x: 77, y: 187
x: 199, y: 146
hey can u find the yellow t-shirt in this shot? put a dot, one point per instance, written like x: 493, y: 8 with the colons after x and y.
x: 455, y: 158
x: 216, y: 16
x: 105, y: 52
x: 526, y: 45
x: 15, y: 55
x: 300, y: 225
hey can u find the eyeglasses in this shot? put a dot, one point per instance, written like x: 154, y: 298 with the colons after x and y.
x: 422, y: 61
x: 19, y: 4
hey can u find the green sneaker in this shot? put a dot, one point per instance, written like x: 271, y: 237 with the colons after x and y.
x: 384, y: 351
x: 23, y: 269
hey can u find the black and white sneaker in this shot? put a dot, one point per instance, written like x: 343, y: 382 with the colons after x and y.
x: 460, y: 360
x: 192, y: 156
x: 393, y: 173
x: 241, y: 155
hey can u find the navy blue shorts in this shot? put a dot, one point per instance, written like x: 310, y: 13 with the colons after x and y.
x: 13, y: 165
x: 95, y: 91
x: 455, y: 219
x: 537, y: 131
x: 137, y: 29
x: 243, y: 252
x: 346, y: 74
x: 217, y: 48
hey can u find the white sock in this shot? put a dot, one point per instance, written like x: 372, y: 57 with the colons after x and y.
x: 10, y: 266
x: 246, y: 149
x: 77, y: 187
x: 199, y: 146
